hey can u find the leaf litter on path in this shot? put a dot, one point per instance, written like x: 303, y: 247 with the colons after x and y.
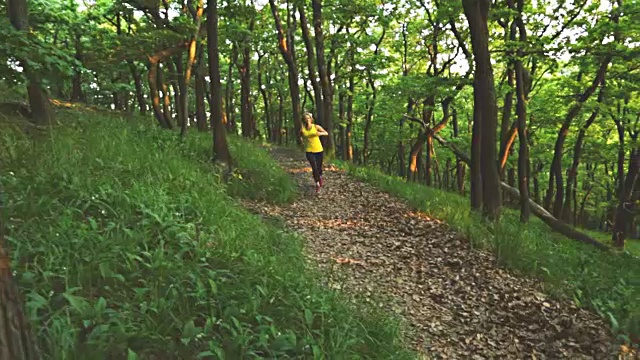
x: 457, y: 303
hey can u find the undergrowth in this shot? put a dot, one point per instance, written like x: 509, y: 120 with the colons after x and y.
x: 126, y: 244
x: 605, y: 282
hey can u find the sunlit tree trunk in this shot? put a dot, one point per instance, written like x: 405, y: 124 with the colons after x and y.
x: 191, y: 59
x: 221, y: 151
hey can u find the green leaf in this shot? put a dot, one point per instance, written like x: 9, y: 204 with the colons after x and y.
x: 131, y: 355
x: 308, y: 316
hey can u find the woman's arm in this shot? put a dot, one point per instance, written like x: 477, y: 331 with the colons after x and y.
x: 321, y: 131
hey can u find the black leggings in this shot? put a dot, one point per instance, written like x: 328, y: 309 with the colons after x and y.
x: 315, y: 159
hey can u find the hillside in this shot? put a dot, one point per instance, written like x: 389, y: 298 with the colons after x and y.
x: 126, y: 243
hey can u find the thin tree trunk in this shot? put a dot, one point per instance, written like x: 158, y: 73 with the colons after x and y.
x: 624, y: 216
x: 572, y: 174
x: 201, y: 93
x: 137, y: 81
x: 556, y: 164
x: 166, y: 103
x: 246, y: 114
x: 286, y: 46
x: 523, y: 149
x: 325, y: 81
x: 76, y: 89
x: 155, y: 81
x: 229, y: 103
x: 191, y: 59
x: 460, y: 167
x: 179, y: 85
x: 317, y: 90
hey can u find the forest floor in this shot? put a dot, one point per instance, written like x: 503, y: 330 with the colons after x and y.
x: 456, y: 301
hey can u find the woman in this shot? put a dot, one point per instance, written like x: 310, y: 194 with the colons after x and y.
x: 313, y: 146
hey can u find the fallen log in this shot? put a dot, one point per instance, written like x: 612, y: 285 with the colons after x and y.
x: 555, y: 224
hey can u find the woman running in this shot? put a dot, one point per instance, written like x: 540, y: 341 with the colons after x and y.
x: 313, y: 147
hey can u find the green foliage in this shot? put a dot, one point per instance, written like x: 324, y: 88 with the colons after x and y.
x: 126, y: 245
x: 255, y: 175
x: 605, y: 282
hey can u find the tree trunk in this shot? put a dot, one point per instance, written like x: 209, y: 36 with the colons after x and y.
x: 278, y: 128
x: 341, y: 145
x: 220, y: 147
x: 349, y: 127
x: 556, y: 163
x: 460, y: 167
x: 76, y: 87
x: 572, y: 174
x: 317, y: 90
x: 624, y: 215
x: 372, y: 102
x: 41, y: 111
x: 179, y: 90
x: 246, y: 113
x: 155, y: 80
x: 537, y: 210
x: 229, y: 103
x: 16, y: 341
x: 485, y: 112
x: 265, y: 100
x: 428, y: 170
x: 367, y: 123
x: 325, y: 81
x: 166, y: 103
x: 137, y: 81
x: 201, y: 93
x: 522, y: 93
x: 523, y: 148
x: 191, y: 59
x: 286, y: 46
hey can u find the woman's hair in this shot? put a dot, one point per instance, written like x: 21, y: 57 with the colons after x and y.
x: 304, y: 116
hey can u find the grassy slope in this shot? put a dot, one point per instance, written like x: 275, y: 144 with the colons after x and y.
x: 607, y: 283
x: 125, y: 241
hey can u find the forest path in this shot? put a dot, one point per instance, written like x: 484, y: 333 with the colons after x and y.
x: 457, y: 302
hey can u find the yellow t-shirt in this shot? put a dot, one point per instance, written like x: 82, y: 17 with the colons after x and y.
x: 313, y: 143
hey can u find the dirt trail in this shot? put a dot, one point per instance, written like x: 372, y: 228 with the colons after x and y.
x: 457, y: 302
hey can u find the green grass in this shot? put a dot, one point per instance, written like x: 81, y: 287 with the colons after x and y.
x: 255, y: 175
x: 126, y: 244
x: 607, y: 283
